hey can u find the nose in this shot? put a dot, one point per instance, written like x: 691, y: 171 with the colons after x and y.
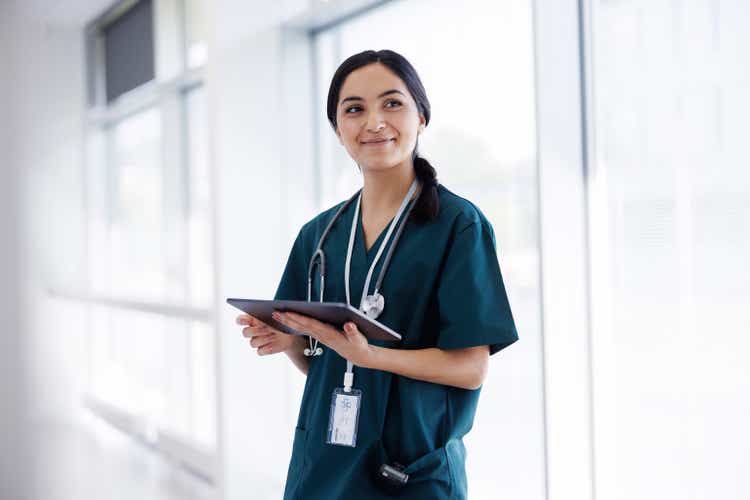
x: 374, y: 121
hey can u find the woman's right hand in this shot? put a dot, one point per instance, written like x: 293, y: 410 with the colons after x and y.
x: 266, y: 339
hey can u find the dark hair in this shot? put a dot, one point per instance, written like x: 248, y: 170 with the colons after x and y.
x: 428, y: 205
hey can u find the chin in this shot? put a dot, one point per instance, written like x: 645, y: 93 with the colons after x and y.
x: 379, y: 165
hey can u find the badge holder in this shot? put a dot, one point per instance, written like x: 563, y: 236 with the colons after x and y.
x: 344, y: 418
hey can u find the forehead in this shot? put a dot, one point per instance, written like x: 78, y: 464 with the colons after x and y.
x: 369, y: 81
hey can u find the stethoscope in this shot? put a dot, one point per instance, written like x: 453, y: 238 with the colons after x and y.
x: 372, y: 305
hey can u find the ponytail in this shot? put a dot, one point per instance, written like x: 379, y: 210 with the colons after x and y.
x: 428, y: 204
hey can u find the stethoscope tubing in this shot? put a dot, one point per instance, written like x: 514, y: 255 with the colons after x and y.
x: 320, y: 258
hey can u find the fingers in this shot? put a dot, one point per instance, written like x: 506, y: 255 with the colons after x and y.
x: 272, y: 347
x: 257, y: 327
x: 316, y: 329
x: 246, y: 319
x: 261, y: 340
x: 262, y: 336
x: 243, y: 319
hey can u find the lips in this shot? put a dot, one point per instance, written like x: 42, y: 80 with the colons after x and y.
x: 378, y: 141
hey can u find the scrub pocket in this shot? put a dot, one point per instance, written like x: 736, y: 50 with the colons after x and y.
x: 295, y: 464
x: 433, y: 468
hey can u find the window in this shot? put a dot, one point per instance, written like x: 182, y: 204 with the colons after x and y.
x: 672, y: 226
x: 151, y: 277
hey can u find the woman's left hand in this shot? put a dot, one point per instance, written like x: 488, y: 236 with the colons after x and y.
x: 349, y: 343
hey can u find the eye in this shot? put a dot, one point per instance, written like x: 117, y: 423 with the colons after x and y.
x: 354, y: 109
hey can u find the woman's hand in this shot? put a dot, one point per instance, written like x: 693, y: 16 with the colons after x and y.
x: 350, y: 343
x: 266, y: 339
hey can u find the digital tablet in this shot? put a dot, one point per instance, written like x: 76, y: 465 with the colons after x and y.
x: 333, y: 313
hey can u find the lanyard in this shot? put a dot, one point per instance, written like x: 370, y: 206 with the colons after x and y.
x: 349, y: 375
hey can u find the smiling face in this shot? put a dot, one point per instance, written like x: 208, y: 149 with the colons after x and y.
x: 377, y: 119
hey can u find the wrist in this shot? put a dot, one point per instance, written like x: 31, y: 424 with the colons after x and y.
x: 372, y: 357
x: 298, y: 344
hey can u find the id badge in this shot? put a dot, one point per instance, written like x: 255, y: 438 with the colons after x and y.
x: 344, y: 419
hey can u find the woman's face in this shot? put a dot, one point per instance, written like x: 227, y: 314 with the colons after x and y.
x: 375, y: 105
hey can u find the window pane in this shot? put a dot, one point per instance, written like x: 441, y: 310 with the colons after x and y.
x: 200, y: 267
x: 128, y: 365
x: 477, y: 67
x: 129, y: 50
x: 136, y: 226
x: 157, y: 368
x: 203, y: 387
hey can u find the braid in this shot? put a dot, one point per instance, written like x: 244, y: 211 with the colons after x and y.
x: 428, y: 204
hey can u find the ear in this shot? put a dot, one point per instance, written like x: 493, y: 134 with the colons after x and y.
x: 422, y: 124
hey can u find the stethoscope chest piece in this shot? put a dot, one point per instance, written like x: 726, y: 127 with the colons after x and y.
x: 313, y: 352
x: 373, y: 305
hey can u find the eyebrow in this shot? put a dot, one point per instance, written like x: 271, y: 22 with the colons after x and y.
x: 357, y: 98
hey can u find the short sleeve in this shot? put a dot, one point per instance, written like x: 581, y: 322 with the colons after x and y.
x: 293, y: 284
x: 472, y: 301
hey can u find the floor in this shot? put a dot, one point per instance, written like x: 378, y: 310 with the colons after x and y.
x: 92, y: 460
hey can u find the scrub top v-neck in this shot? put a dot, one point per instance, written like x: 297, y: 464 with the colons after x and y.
x: 360, y: 237
x: 443, y: 288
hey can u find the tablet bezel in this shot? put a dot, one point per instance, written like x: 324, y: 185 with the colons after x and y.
x: 333, y: 313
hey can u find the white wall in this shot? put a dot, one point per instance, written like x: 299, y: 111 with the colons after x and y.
x: 44, y: 89
x: 13, y: 462
x: 48, y: 143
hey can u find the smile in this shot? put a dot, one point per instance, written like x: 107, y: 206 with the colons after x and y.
x: 378, y: 143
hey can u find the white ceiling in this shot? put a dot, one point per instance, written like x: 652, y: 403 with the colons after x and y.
x: 62, y: 12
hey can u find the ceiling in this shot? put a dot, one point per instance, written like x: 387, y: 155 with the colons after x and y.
x: 70, y: 13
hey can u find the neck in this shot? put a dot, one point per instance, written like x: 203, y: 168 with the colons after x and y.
x: 384, y: 190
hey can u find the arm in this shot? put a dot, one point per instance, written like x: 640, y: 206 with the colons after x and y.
x: 295, y: 353
x: 463, y: 368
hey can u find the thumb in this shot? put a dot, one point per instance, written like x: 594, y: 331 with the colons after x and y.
x: 350, y: 328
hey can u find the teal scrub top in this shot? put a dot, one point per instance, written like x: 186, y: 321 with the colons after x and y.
x: 443, y: 288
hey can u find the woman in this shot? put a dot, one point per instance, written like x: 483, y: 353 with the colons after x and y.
x: 444, y: 294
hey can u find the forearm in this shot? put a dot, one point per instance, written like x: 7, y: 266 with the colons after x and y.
x: 296, y: 354
x: 463, y: 368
